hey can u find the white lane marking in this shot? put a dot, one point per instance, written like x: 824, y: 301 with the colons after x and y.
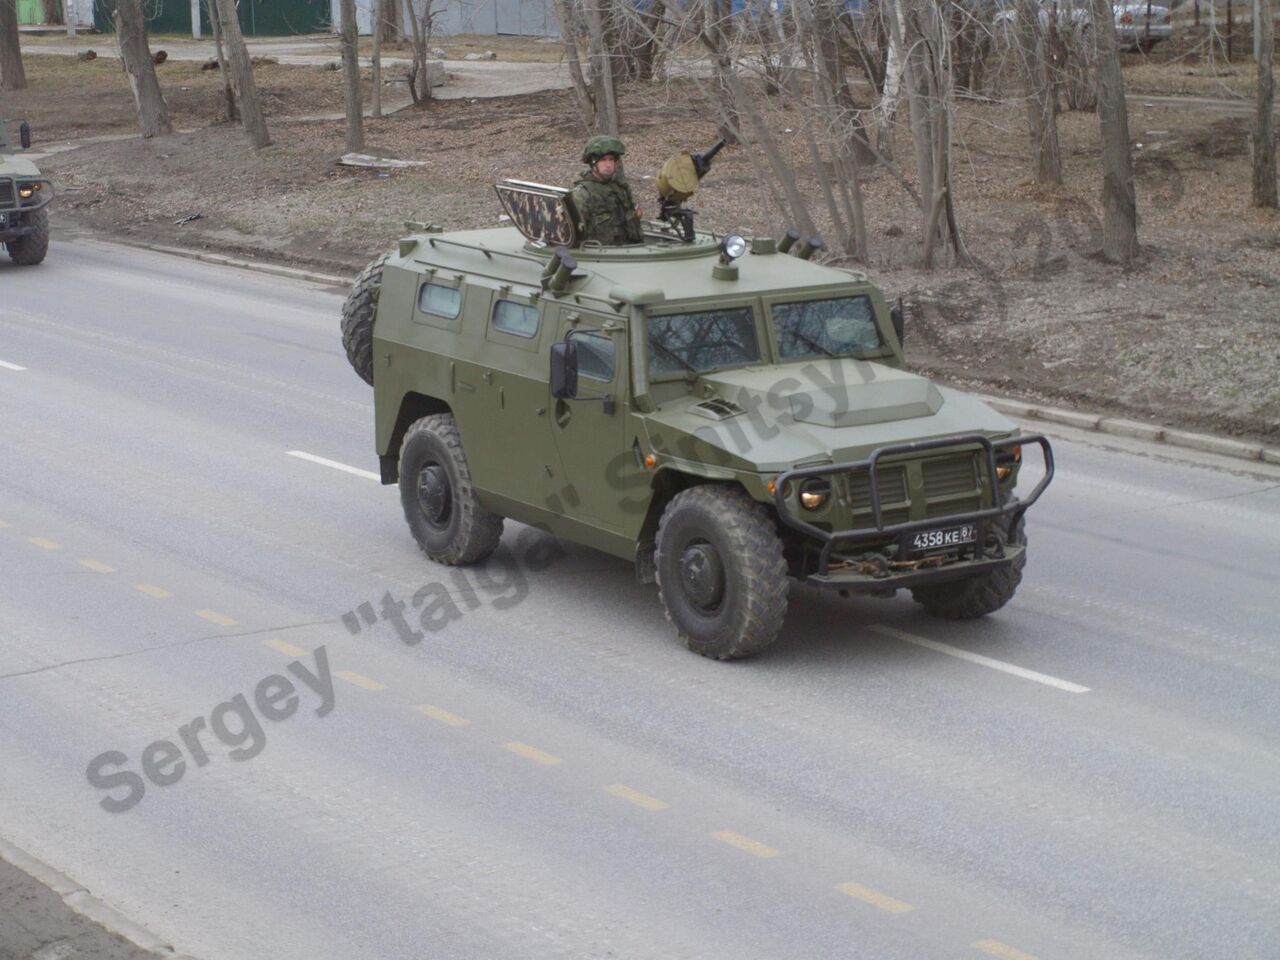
x: 10, y: 366
x: 979, y: 659
x: 334, y: 464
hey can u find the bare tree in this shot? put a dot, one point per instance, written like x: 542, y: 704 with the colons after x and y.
x: 351, y: 76
x: 233, y: 112
x: 1042, y: 101
x: 135, y: 54
x: 12, y: 75
x: 570, y: 31
x: 242, y: 70
x: 422, y: 21
x: 52, y: 10
x: 1264, y: 130
x: 1119, y: 199
x: 603, y: 91
x: 925, y: 41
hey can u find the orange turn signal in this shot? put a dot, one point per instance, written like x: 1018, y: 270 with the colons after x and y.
x: 650, y: 460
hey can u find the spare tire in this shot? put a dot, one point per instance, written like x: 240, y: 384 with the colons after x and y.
x: 357, y: 318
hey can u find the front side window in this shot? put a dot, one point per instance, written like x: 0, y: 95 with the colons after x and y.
x: 826, y: 328
x: 517, y: 318
x: 695, y: 342
x: 440, y: 300
x: 596, y: 356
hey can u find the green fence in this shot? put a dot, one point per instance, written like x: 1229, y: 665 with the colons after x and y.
x: 258, y: 18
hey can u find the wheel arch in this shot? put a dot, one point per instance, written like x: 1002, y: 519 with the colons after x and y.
x: 413, y: 406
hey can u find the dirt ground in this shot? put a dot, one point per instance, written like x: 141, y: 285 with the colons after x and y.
x: 1190, y: 336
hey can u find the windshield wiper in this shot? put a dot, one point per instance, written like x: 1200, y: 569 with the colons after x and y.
x: 675, y: 356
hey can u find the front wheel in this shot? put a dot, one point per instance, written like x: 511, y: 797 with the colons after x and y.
x: 440, y: 503
x: 721, y: 574
x: 29, y: 250
x: 976, y: 596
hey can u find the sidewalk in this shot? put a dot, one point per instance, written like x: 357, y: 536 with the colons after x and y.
x: 37, y: 924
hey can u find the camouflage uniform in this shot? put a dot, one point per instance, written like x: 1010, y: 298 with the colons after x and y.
x: 606, y: 210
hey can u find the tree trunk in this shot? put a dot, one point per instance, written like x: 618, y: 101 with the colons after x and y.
x: 603, y: 93
x: 52, y: 12
x: 1042, y: 104
x: 351, y: 76
x: 717, y: 22
x: 12, y: 75
x: 390, y: 27
x: 376, y: 14
x: 233, y: 112
x: 131, y: 33
x: 250, y: 106
x: 1119, y: 201
x: 581, y: 91
x: 420, y: 74
x: 1264, y: 131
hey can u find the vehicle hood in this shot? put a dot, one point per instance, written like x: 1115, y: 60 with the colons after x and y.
x: 17, y: 167
x: 771, y: 419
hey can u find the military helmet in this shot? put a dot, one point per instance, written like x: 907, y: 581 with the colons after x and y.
x: 600, y: 145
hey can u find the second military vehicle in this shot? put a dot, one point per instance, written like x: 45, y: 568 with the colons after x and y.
x: 24, y: 198
x: 726, y: 413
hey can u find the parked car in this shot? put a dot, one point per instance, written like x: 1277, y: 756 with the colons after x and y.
x: 1139, y: 26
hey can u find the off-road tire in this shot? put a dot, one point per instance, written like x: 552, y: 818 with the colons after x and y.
x: 357, y: 318
x: 459, y: 531
x: 29, y: 250
x: 753, y: 600
x: 976, y: 596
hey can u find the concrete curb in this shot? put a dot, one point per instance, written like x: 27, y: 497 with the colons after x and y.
x: 86, y: 904
x: 1120, y: 427
x: 1097, y: 422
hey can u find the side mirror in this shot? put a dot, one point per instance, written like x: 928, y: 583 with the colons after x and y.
x: 895, y: 314
x: 24, y: 134
x: 564, y: 369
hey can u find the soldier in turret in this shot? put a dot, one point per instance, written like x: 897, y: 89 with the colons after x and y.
x: 606, y: 211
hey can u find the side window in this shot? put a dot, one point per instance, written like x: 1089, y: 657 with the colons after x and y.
x: 596, y: 356
x: 519, y: 319
x: 440, y: 300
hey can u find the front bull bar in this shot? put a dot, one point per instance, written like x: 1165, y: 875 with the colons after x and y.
x: 1014, y: 509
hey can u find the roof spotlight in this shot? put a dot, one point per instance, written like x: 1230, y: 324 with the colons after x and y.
x: 732, y: 247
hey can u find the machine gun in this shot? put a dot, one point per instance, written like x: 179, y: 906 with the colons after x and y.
x: 677, y: 181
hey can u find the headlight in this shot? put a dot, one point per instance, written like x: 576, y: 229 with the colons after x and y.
x: 814, y: 492
x: 733, y: 246
x: 1007, y: 461
x: 25, y: 190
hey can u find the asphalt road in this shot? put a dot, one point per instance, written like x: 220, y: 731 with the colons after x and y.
x: 552, y: 774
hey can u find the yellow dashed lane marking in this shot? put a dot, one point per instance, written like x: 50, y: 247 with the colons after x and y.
x: 636, y: 797
x: 360, y: 680
x: 444, y: 716
x: 1002, y: 950
x: 213, y: 616
x: 44, y: 544
x: 288, y: 648
x: 532, y: 753
x: 151, y: 590
x: 874, y: 897
x: 97, y: 566
x: 753, y: 847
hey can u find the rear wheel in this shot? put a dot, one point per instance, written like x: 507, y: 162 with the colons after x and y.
x: 357, y: 318
x: 976, y: 596
x: 721, y: 574
x: 29, y: 250
x: 439, y: 501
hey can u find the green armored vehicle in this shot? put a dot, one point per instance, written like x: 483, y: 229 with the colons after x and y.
x: 724, y: 412
x: 24, y: 198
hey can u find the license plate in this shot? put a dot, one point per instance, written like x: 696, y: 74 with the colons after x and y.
x: 940, y: 538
